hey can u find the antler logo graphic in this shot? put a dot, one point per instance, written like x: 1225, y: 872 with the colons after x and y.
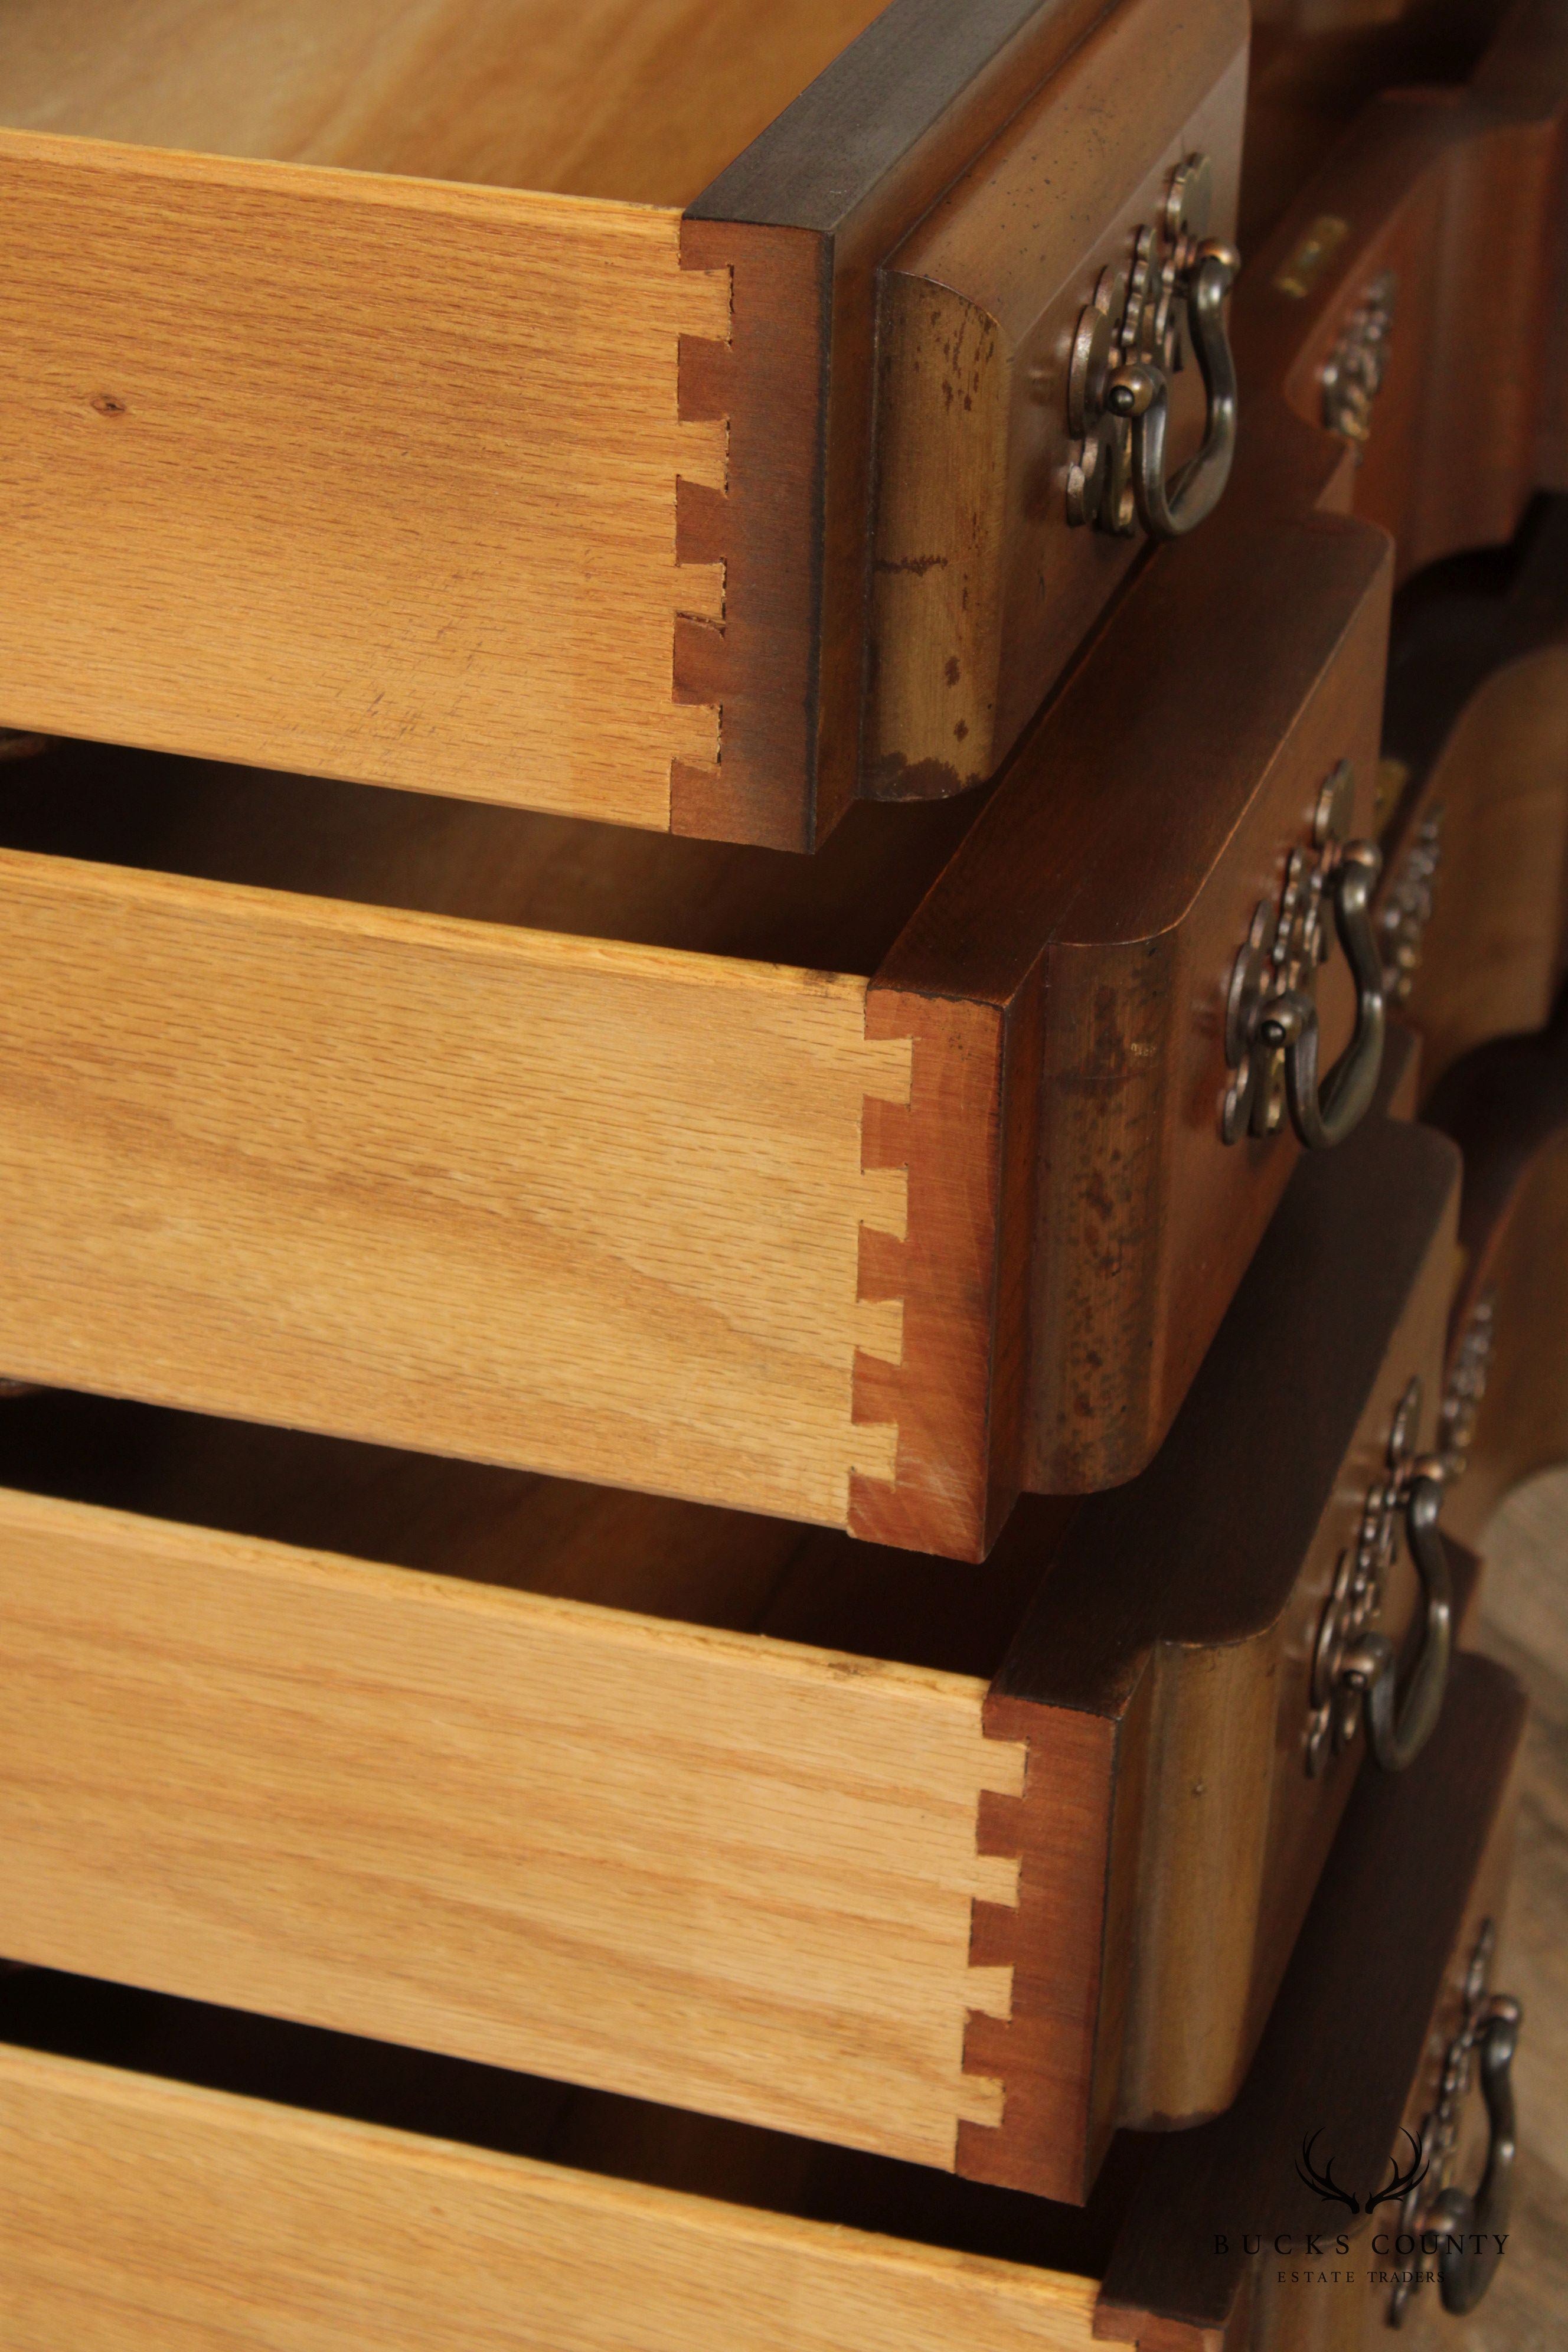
x: 1323, y: 2182
x: 1393, y: 2191
x: 1400, y: 2186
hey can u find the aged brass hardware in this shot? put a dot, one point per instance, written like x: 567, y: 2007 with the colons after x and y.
x: 1128, y: 345
x: 1406, y: 908
x: 1355, y: 1671
x: 1353, y: 373
x: 1467, y: 1378
x: 1312, y: 256
x: 1271, y: 1014
x: 1468, y: 2229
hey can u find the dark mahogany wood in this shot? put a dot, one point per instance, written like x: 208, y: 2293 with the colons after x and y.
x: 1506, y: 1105
x: 805, y: 216
x: 1455, y: 193
x: 1097, y: 906
x: 1476, y: 764
x: 1148, y: 1648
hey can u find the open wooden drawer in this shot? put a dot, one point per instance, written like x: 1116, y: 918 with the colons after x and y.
x: 831, y: 1838
x: 173, y: 2172
x: 480, y: 397
x: 1400, y: 340
x: 706, y: 1171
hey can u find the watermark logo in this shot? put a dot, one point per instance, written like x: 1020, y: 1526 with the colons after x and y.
x: 1393, y: 2191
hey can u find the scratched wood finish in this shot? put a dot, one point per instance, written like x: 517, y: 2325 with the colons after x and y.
x: 1104, y: 892
x: 982, y: 588
x: 148, y: 2188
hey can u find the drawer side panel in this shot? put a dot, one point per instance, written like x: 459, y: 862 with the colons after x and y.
x: 140, y: 2215
x: 579, y: 1208
x: 703, y: 1868
x: 353, y: 476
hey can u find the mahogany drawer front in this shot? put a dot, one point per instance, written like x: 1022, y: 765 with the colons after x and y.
x: 148, y: 2189
x: 830, y: 1842
x: 708, y: 1221
x: 982, y: 583
x: 1176, y: 1700
x: 1505, y: 1105
x: 1410, y: 304
x: 1474, y: 911
x: 502, y: 429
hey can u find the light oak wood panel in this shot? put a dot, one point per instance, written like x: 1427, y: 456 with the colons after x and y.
x: 141, y: 2214
x: 645, y: 100
x: 547, y: 1836
x: 372, y: 478
x: 592, y: 1210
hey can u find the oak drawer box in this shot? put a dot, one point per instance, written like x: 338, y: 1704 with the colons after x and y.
x: 915, y: 1867
x: 163, y: 2173
x: 487, y: 406
x: 750, y: 1201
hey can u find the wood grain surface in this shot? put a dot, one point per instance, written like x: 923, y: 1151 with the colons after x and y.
x: 982, y: 589
x: 1363, y: 2016
x: 1116, y: 870
x: 139, y: 2213
x: 384, y: 474
x: 590, y: 1208
x: 584, y: 97
x: 687, y: 1864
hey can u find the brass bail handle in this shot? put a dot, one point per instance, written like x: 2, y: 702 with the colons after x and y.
x: 1398, y: 1722
x: 1141, y: 394
x: 1323, y: 1114
x: 1470, y: 2251
x: 1130, y: 340
x: 1272, y: 1035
